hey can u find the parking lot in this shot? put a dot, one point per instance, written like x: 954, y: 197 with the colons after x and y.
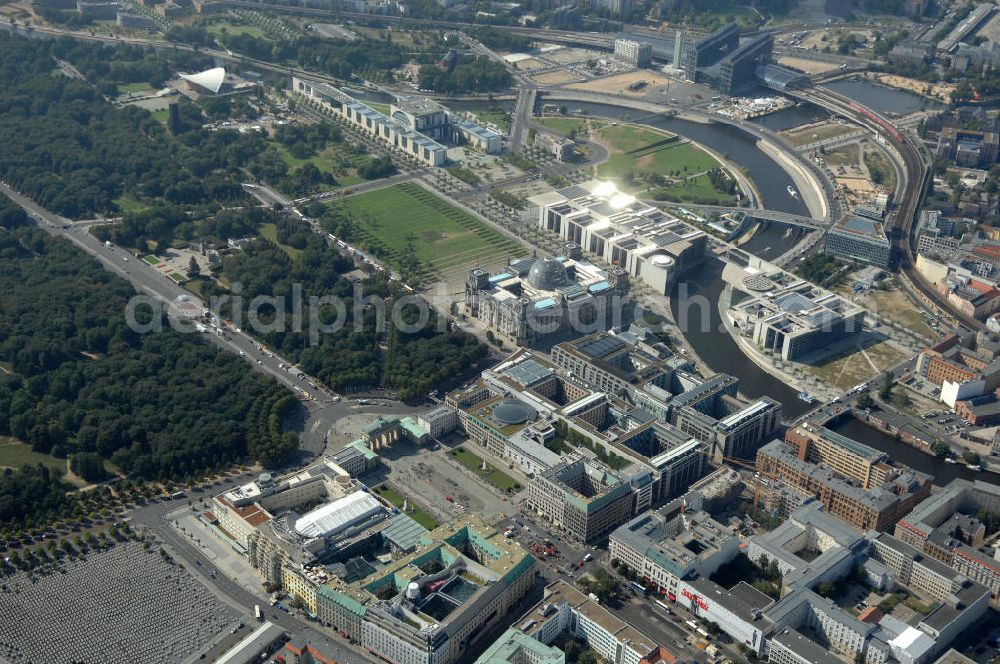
x: 126, y: 604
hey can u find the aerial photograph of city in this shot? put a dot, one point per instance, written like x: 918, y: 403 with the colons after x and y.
x: 500, y: 331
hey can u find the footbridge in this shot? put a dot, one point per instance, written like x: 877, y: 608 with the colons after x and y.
x: 767, y: 215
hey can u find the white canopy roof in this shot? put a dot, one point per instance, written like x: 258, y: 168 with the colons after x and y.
x: 338, y: 515
x: 210, y: 79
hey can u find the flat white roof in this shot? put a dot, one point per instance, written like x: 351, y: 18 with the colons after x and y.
x: 338, y: 514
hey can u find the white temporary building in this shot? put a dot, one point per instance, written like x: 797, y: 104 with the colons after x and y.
x: 338, y: 515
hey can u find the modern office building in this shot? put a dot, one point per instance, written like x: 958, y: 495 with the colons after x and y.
x: 733, y: 428
x: 810, y: 547
x: 860, y: 238
x: 535, y: 298
x: 429, y: 605
x: 516, y: 647
x: 643, y: 241
x: 739, y: 69
x: 738, y: 611
x: 796, y: 319
x: 582, y: 498
x: 393, y: 132
x: 865, y: 509
x: 706, y: 51
x: 666, y: 545
x: 635, y: 53
x: 616, y: 362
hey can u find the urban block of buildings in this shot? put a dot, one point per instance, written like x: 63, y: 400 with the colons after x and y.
x: 535, y: 298
x: 414, y: 125
x: 946, y: 527
x: 642, y: 241
x: 876, y: 507
x: 794, y: 319
x: 581, y: 497
x: 964, y: 369
x: 565, y: 611
x: 666, y: 545
x: 803, y: 627
x: 403, y: 593
x: 630, y: 400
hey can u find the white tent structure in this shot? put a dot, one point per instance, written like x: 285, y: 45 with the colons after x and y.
x: 210, y: 79
x: 337, y: 515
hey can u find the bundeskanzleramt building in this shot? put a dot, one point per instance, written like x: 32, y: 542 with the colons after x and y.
x: 583, y: 498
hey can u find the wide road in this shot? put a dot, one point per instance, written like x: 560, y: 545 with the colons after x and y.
x: 152, y: 517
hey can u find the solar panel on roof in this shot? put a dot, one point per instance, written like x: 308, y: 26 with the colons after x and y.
x: 573, y: 191
x: 599, y: 347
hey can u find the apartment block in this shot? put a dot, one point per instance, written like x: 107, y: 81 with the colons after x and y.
x: 874, y: 509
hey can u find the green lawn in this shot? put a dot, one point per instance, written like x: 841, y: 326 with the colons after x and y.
x: 644, y: 150
x: 566, y: 125
x: 499, y: 118
x: 270, y: 233
x: 14, y: 454
x: 223, y: 28
x: 161, y: 115
x: 442, y: 235
x: 375, y: 106
x: 125, y: 88
x: 497, y: 478
x: 334, y: 159
x: 696, y: 190
x: 152, y: 260
x: 415, y: 513
x: 128, y: 202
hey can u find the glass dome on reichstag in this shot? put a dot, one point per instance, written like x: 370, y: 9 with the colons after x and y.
x: 548, y: 274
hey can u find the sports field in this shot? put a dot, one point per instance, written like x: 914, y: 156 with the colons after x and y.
x: 396, y: 219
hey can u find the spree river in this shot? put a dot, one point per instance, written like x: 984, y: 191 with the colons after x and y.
x: 712, y: 342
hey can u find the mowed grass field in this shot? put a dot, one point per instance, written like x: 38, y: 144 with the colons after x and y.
x: 442, y: 235
x: 645, y: 150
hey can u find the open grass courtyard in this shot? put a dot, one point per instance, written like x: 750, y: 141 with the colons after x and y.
x: 404, y: 218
